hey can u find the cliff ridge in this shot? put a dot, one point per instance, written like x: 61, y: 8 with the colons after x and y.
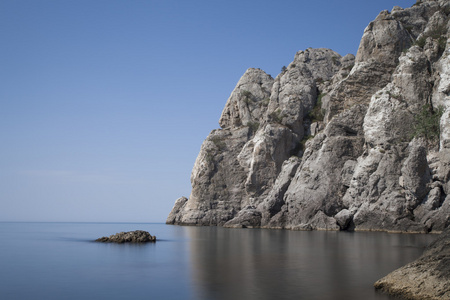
x: 337, y: 142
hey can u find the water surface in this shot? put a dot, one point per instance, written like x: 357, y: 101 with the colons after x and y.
x: 60, y: 261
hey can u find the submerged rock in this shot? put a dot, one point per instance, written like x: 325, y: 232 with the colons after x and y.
x: 137, y: 236
x: 428, y: 277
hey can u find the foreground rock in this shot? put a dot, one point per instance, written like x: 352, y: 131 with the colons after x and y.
x: 137, y: 236
x: 426, y: 278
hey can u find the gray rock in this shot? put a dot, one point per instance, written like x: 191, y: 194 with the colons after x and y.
x: 347, y: 172
x: 246, y: 218
x: 174, y: 216
x: 315, y: 128
x: 383, y: 40
x: 316, y: 190
x: 248, y: 101
x: 274, y: 202
x: 355, y: 160
x: 238, y: 165
x: 426, y: 278
x: 416, y: 173
x: 343, y: 218
x: 137, y: 236
x: 321, y: 221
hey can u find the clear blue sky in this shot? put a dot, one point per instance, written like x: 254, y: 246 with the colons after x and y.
x: 104, y: 104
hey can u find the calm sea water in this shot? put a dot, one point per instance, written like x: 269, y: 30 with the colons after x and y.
x: 60, y: 261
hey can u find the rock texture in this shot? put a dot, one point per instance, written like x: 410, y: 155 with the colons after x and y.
x: 137, y: 236
x: 337, y: 143
x: 427, y: 278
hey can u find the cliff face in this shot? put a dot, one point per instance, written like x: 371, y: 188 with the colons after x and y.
x: 336, y: 142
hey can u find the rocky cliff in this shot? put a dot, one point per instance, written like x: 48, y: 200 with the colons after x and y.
x: 336, y: 143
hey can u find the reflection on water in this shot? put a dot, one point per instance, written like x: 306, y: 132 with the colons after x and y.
x: 60, y: 261
x: 276, y: 264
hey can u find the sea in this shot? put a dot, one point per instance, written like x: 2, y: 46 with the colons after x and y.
x: 62, y: 261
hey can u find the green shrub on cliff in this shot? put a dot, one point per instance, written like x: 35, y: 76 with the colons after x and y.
x: 276, y: 116
x: 426, y: 123
x: 317, y: 113
x: 246, y: 93
x: 437, y: 34
x: 253, y: 126
x: 218, y: 142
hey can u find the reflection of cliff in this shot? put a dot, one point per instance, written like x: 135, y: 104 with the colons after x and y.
x: 355, y: 142
x: 277, y: 264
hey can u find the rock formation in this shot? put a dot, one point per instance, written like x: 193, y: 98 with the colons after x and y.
x: 426, y: 278
x: 337, y: 143
x: 137, y: 236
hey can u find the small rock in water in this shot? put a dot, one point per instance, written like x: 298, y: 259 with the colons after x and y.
x: 137, y: 236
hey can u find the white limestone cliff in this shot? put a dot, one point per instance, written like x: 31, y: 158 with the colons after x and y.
x: 337, y: 143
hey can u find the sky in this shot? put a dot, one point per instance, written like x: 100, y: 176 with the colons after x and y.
x: 104, y: 104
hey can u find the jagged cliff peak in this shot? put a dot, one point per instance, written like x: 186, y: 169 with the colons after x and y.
x: 337, y: 142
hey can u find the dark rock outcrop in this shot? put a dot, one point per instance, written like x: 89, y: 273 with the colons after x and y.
x: 427, y: 278
x: 337, y: 143
x: 137, y: 236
